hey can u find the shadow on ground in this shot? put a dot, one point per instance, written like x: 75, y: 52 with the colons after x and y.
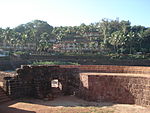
x: 67, y: 104
x: 35, y: 105
x: 66, y: 101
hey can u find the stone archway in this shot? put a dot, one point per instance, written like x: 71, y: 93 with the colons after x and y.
x: 35, y: 81
x: 56, y: 88
x: 55, y: 83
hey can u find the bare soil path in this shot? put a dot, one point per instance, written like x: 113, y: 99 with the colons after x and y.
x: 68, y: 104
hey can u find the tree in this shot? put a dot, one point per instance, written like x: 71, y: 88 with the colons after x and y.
x: 106, y: 28
x: 146, y: 41
x: 125, y: 26
x: 44, y: 42
x: 8, y: 35
x: 117, y: 39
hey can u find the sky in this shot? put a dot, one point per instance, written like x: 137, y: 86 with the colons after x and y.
x: 73, y: 12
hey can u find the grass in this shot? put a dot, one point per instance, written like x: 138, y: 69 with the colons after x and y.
x: 54, y: 63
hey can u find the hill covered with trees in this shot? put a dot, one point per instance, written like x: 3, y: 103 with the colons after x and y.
x: 110, y: 36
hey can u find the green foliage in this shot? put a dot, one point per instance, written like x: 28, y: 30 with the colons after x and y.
x: 54, y: 63
x: 128, y: 56
x: 112, y: 36
x: 19, y: 53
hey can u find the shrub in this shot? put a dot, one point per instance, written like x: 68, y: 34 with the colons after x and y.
x: 54, y: 63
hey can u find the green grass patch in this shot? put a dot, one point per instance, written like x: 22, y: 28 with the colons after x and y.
x: 54, y: 63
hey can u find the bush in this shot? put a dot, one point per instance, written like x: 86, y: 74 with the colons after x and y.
x: 19, y: 53
x: 54, y: 63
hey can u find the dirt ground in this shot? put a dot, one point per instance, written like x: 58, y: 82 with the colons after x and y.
x: 68, y: 104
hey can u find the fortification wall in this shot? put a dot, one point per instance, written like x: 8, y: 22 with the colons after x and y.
x: 5, y: 65
x: 13, y: 62
x: 35, y: 81
x: 120, y: 84
x: 115, y: 87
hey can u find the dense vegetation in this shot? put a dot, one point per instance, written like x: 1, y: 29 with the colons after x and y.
x: 114, y: 36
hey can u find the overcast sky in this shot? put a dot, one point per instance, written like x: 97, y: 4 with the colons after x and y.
x: 73, y: 12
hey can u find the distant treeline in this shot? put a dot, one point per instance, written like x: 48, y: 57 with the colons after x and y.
x: 112, y: 36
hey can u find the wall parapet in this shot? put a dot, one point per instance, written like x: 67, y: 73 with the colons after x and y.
x: 110, y: 68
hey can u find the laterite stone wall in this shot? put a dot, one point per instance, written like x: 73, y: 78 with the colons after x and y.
x: 116, y: 87
x: 118, y: 84
x: 35, y: 81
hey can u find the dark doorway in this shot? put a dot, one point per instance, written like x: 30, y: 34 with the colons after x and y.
x: 56, y: 87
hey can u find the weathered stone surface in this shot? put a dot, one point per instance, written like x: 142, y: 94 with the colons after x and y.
x: 115, y: 87
x: 121, y: 84
x: 34, y: 81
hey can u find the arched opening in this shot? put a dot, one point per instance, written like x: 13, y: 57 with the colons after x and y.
x: 56, y: 87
